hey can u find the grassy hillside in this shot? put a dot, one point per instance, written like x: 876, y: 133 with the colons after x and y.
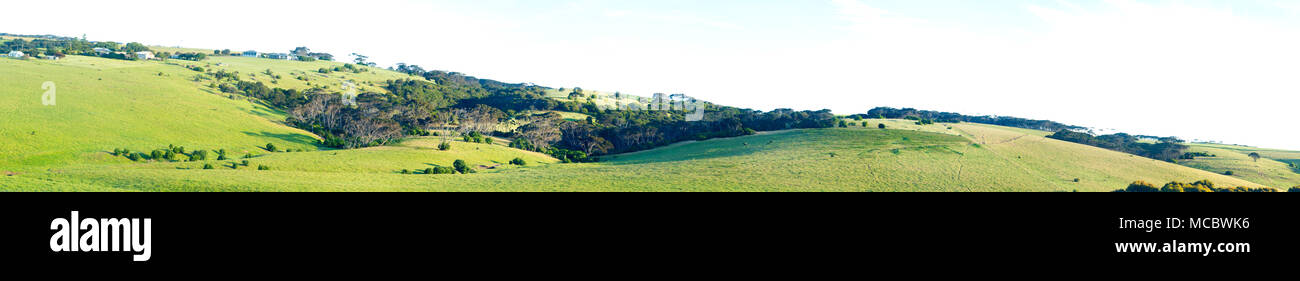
x: 1271, y: 170
x: 105, y: 104
x: 798, y: 160
x: 298, y: 74
x: 102, y: 104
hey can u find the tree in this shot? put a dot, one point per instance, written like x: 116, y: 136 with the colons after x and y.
x: 300, y: 51
x: 541, y: 131
x: 1294, y: 189
x: 882, y: 125
x: 360, y: 59
x: 134, y: 47
x: 521, y: 162
x: 461, y: 166
x: 1255, y: 156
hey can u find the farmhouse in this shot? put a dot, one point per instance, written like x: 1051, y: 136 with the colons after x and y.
x: 145, y: 55
x: 16, y: 54
x: 51, y: 58
x: 102, y: 51
x: 278, y: 56
x: 251, y: 54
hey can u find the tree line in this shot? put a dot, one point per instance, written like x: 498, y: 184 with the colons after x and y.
x: 950, y: 117
x: 1170, y: 149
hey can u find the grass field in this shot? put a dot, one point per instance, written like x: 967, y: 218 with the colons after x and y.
x: 103, y: 104
x: 1271, y: 170
x: 290, y: 72
x: 106, y: 104
x: 797, y: 160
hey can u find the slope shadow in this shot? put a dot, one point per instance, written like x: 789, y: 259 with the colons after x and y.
x: 294, y: 138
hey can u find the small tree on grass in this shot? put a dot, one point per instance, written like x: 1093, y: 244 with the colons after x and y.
x: 844, y: 124
x: 270, y: 147
x: 518, y: 161
x: 1255, y: 156
x: 406, y: 172
x: 263, y: 168
x: 208, y: 167
x: 882, y: 125
x: 444, y: 146
x: 461, y: 166
x: 428, y: 171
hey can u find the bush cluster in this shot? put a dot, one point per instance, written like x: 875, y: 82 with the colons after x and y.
x: 1199, y: 186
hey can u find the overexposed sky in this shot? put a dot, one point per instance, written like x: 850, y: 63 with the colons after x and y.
x: 1210, y: 70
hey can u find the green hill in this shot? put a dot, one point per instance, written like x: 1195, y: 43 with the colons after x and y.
x: 103, y: 104
x: 980, y: 159
x: 1276, y: 168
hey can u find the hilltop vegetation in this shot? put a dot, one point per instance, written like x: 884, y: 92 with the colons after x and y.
x: 221, y: 122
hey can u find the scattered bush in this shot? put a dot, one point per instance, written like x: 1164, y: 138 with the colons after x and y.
x: 406, y: 172
x: 1141, y: 186
x: 443, y: 171
x: 270, y: 147
x: 245, y: 163
x: 518, y: 161
x: 882, y: 125
x: 1199, y: 186
x: 1294, y: 189
x: 462, y: 167
x: 428, y: 171
x: 444, y: 146
x: 263, y: 168
x: 208, y: 167
x: 1227, y: 173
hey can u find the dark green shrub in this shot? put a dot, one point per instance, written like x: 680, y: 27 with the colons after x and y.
x: 487, y: 140
x: 208, y: 167
x: 406, y: 172
x: 263, y: 168
x: 1294, y: 189
x: 270, y: 147
x: 518, y: 161
x: 1227, y: 173
x: 245, y: 163
x: 882, y: 125
x: 443, y: 171
x: 444, y: 146
x: 428, y: 171
x: 461, y: 166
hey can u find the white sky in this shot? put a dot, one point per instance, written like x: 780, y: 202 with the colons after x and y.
x: 1211, y: 70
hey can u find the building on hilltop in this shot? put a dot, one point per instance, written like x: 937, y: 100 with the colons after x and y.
x: 251, y: 54
x: 17, y: 54
x: 280, y: 56
x: 144, y: 55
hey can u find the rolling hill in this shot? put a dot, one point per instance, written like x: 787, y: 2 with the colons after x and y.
x: 104, y: 105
